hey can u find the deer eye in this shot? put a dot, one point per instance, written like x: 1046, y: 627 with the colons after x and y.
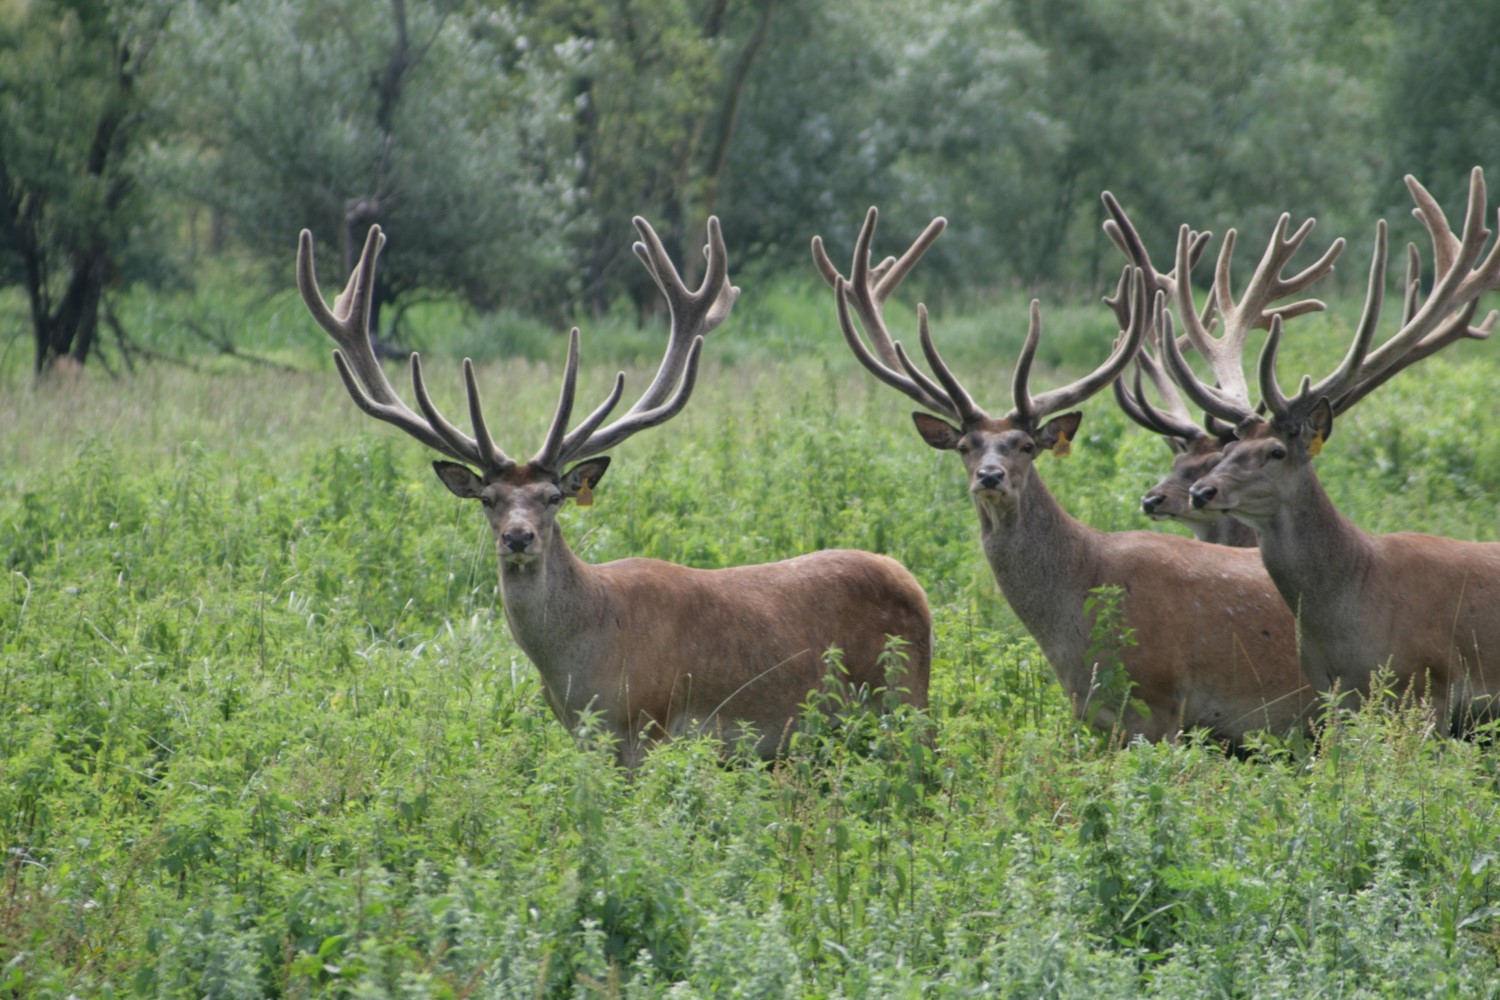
x: 963, y: 447
x: 554, y: 499
x: 1028, y: 447
x: 487, y: 500
x: 1278, y: 453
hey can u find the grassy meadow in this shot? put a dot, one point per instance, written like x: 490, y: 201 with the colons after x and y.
x: 265, y: 732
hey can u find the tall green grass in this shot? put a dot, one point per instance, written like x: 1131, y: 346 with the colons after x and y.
x: 266, y: 733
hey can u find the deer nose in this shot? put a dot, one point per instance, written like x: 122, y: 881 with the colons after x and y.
x: 1202, y: 495
x: 990, y: 479
x: 1151, y: 501
x: 516, y: 541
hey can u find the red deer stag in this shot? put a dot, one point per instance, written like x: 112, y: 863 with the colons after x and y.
x: 1426, y: 607
x: 1196, y: 447
x: 654, y: 648
x: 1214, y: 646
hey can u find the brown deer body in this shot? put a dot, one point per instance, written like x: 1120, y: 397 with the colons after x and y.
x: 652, y: 649
x: 1426, y: 607
x: 1214, y: 647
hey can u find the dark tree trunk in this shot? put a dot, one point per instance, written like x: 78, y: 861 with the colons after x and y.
x: 71, y: 328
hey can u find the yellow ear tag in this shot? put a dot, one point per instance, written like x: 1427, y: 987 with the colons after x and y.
x: 585, y: 497
x: 1316, y: 447
x: 1063, y: 447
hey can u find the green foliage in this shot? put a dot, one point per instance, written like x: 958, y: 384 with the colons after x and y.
x: 1109, y: 636
x: 75, y: 221
x: 346, y: 114
x: 267, y: 735
x: 504, y: 148
x: 1443, y: 124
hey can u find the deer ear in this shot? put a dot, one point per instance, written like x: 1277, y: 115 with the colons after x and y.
x: 1320, y: 422
x: 460, y: 479
x: 583, y: 477
x: 936, y: 432
x: 1057, y: 432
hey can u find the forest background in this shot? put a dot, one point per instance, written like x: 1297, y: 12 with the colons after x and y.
x: 505, y: 147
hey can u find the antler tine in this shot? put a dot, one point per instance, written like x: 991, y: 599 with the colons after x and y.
x: 1486, y: 276
x: 636, y: 419
x: 479, y: 450
x: 1270, y: 389
x: 914, y: 385
x: 872, y: 285
x: 1127, y: 238
x: 1025, y: 409
x: 963, y: 404
x: 1413, y: 288
x: 693, y: 313
x: 1348, y: 372
x: 1230, y: 377
x: 893, y: 270
x: 1033, y: 408
x: 866, y: 290
x: 347, y: 322
x: 551, y: 450
x: 1174, y: 422
x: 1292, y: 411
x: 587, y: 426
x: 1212, y: 401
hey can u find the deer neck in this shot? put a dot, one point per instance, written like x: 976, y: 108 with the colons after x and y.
x: 1224, y: 531
x: 1316, y: 556
x: 1041, y: 559
x: 554, y: 606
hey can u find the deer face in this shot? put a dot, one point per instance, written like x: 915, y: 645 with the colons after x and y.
x: 1170, y: 500
x: 997, y: 454
x: 1259, y: 472
x: 521, y: 502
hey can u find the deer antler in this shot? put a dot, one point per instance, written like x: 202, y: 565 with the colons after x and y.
x: 693, y: 314
x: 348, y: 322
x: 1427, y: 325
x: 1225, y: 353
x: 1174, y: 420
x: 945, y: 394
x: 1446, y: 315
x: 1031, y: 410
x: 1123, y: 234
x: 867, y: 288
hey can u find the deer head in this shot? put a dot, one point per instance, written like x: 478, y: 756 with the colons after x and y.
x: 997, y: 452
x: 1197, y: 447
x: 1261, y: 470
x: 521, y: 499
